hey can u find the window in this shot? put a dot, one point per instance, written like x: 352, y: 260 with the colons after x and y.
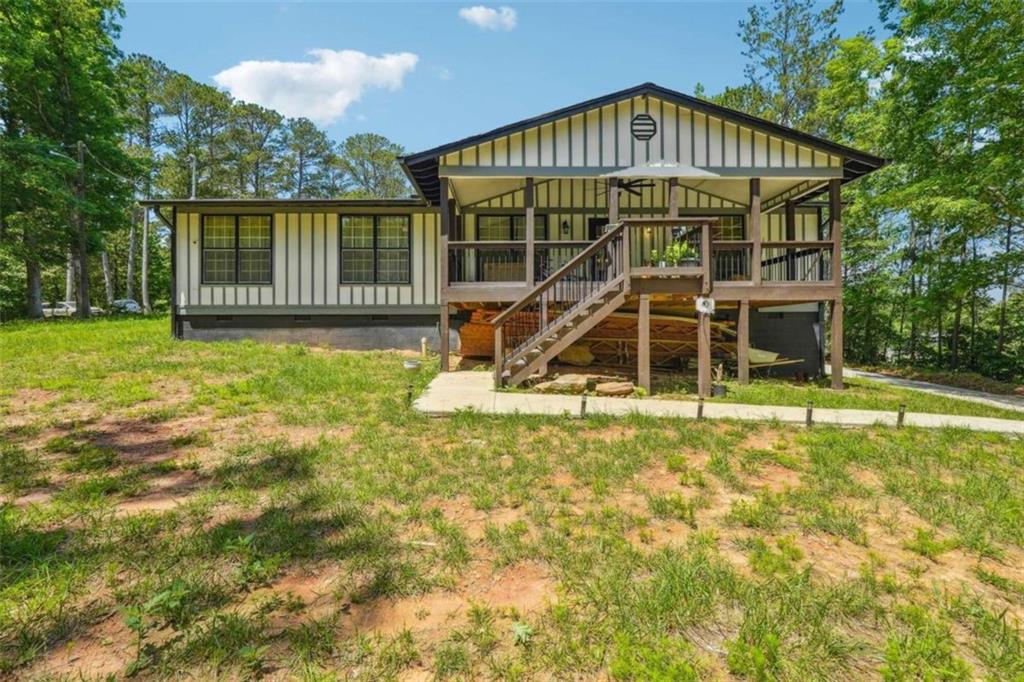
x: 729, y: 228
x: 375, y: 249
x: 236, y: 249
x: 510, y: 227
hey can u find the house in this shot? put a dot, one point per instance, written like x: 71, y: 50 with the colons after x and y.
x: 546, y: 230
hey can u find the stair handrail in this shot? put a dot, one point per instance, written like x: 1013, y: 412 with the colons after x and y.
x: 533, y: 294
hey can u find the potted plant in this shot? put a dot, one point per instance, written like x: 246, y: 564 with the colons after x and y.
x: 681, y: 254
x: 658, y: 259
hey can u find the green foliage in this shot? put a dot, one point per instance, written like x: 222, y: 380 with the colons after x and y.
x: 922, y: 649
x: 664, y: 660
x: 928, y: 545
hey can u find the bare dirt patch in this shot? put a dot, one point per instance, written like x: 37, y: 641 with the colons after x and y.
x: 524, y: 587
x: 102, y: 651
x: 459, y: 510
x: 761, y: 439
x: 775, y: 478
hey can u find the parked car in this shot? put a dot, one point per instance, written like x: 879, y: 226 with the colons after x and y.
x: 67, y: 309
x: 126, y: 306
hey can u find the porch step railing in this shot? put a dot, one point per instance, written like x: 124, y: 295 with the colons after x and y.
x: 562, y: 308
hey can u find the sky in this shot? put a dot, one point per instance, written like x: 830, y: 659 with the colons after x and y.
x: 423, y: 74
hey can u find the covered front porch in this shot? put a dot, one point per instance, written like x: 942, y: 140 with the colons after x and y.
x: 539, y: 249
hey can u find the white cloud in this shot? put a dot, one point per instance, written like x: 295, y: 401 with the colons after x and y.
x: 488, y: 18
x: 320, y: 90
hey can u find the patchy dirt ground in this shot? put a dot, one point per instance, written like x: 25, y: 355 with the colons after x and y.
x: 278, y: 512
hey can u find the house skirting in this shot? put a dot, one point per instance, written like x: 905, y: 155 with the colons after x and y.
x: 350, y: 332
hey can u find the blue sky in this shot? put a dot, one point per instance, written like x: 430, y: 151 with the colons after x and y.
x: 424, y: 74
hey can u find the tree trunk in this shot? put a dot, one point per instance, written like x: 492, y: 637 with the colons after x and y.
x: 81, y: 247
x: 129, y: 284
x: 145, y: 261
x: 69, y: 279
x: 108, y: 281
x: 33, y: 279
x: 1001, y: 343
x: 954, y: 359
x: 972, y: 360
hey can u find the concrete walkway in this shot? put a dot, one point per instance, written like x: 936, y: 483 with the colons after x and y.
x: 453, y: 391
x: 1009, y: 402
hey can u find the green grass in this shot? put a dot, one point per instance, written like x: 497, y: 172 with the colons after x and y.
x: 310, y: 505
x: 859, y: 394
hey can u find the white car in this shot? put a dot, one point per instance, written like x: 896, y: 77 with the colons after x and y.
x: 67, y: 309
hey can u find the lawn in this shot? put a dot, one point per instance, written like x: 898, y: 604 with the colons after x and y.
x: 243, y: 510
x: 858, y: 394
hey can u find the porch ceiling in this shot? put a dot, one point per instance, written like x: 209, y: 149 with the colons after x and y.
x: 471, y: 190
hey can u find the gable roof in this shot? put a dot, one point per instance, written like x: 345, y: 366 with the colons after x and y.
x: 422, y: 167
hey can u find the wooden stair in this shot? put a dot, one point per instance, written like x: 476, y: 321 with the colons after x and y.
x: 588, y: 288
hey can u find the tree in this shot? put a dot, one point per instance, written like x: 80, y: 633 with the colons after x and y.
x: 59, y: 90
x: 195, y: 123
x: 371, y: 163
x: 253, y: 142
x: 142, y: 78
x: 305, y: 156
x: 788, y: 44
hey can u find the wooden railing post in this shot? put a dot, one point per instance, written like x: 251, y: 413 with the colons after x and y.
x: 835, y: 217
x: 754, y: 225
x: 705, y: 257
x: 790, y: 236
x: 530, y: 245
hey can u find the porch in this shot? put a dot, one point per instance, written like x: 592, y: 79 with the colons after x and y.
x: 743, y: 253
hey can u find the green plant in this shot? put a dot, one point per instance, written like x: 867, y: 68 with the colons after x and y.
x: 674, y: 253
x: 926, y: 543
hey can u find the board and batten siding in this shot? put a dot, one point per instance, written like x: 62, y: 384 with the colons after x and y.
x: 306, y: 260
x: 601, y: 138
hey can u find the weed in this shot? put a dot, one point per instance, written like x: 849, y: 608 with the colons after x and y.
x: 763, y: 513
x: 926, y: 543
x: 923, y: 648
x: 673, y: 506
x: 19, y: 469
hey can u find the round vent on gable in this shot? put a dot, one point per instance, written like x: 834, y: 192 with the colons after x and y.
x: 643, y: 127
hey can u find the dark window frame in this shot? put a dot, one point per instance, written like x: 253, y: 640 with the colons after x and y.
x: 481, y: 255
x: 512, y: 226
x: 375, y: 249
x: 236, y: 248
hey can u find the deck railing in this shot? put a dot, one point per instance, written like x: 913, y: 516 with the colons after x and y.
x: 796, y: 262
x: 586, y: 274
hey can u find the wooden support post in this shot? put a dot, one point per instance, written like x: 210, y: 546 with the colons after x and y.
x: 703, y: 355
x: 754, y: 225
x: 790, y: 236
x: 613, y: 201
x: 530, y: 245
x: 835, y: 219
x: 447, y: 213
x: 443, y: 332
x: 613, y: 217
x: 836, y: 359
x: 643, y: 344
x: 499, y: 368
x: 743, y: 343
x: 673, y: 197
